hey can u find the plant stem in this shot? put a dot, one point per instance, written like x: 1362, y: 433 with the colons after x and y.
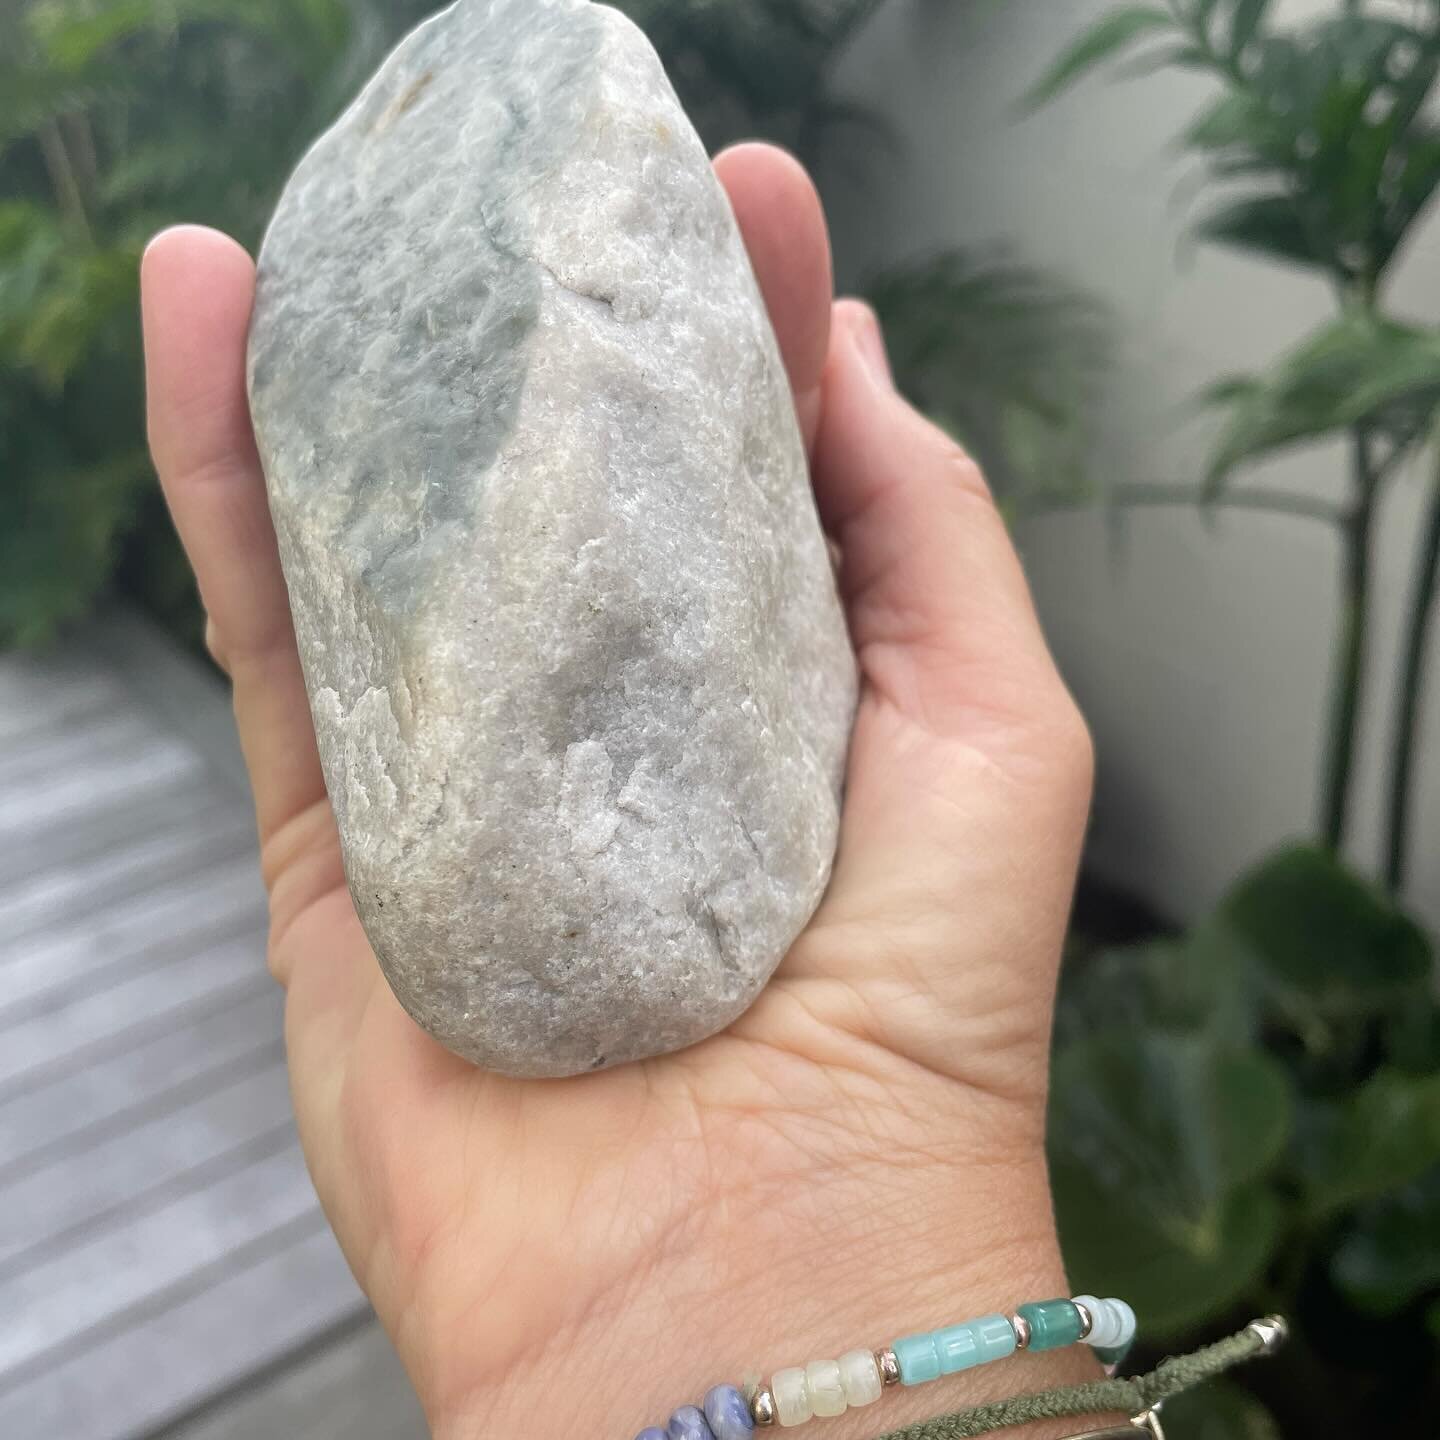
x: 1142, y: 496
x: 1412, y: 684
x: 1348, y: 685
x: 63, y: 179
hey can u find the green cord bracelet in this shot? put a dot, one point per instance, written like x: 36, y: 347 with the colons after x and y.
x: 1136, y: 1395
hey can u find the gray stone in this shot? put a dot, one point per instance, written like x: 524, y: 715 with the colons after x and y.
x: 579, y: 673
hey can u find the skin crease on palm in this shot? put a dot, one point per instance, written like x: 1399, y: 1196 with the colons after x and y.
x: 860, y: 1156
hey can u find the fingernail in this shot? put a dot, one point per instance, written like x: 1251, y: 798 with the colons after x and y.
x: 872, y: 348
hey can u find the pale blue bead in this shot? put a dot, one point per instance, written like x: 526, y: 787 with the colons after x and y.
x: 652, y: 1434
x: 919, y: 1359
x: 728, y: 1414
x: 976, y: 1342
x: 689, y: 1424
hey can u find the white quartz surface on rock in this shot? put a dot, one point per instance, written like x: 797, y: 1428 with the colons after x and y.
x: 578, y: 670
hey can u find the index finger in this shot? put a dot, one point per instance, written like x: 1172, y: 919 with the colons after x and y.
x: 197, y: 288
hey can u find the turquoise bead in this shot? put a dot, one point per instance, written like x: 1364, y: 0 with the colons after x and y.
x: 919, y: 1359
x: 1053, y: 1323
x: 976, y: 1342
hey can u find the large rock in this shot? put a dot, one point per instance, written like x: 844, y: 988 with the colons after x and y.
x: 581, y: 681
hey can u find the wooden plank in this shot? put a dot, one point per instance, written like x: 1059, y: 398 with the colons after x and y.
x: 153, y: 923
x: 29, y: 810
x: 76, y: 838
x: 65, y: 894
x: 85, y: 1105
x: 146, y: 1263
x: 353, y: 1389
x: 41, y: 692
x: 137, y: 1167
x: 93, y: 1026
x: 187, y: 697
x: 88, y: 742
x: 159, y: 929
x: 132, y: 1382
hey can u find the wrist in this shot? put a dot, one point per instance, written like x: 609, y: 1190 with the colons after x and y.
x: 806, y: 1270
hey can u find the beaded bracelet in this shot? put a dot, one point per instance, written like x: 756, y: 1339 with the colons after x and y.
x: 825, y: 1388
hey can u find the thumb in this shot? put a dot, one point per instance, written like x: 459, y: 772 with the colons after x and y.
x: 940, y: 612
x: 969, y: 777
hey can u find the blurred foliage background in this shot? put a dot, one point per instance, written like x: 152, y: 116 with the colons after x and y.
x: 118, y: 117
x: 1247, y: 1112
x: 1246, y: 1118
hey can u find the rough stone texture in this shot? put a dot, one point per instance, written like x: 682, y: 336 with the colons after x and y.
x: 580, y: 677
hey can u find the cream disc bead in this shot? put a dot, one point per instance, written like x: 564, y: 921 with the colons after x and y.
x: 827, y: 1392
x: 1105, y: 1322
x: 860, y: 1375
x: 792, y: 1397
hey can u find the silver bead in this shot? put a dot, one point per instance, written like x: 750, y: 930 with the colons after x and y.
x: 1087, y: 1320
x: 1021, y: 1327
x: 1272, y: 1332
x: 762, y: 1407
x: 889, y: 1367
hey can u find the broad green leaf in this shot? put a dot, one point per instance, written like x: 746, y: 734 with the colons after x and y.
x: 1174, y: 1282
x: 1115, y: 33
x: 1331, y: 947
x: 1200, y: 983
x: 1160, y: 1145
x: 1392, y: 1256
x: 1218, y: 1410
x: 1412, y: 1039
x: 1357, y: 370
x: 1380, y: 1137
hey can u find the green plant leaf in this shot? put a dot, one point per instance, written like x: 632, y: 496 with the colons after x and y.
x: 1237, y: 118
x: 1160, y: 1148
x: 1392, y: 1257
x: 1247, y: 19
x: 1218, y: 1410
x: 1331, y: 946
x: 1112, y: 36
x: 1174, y: 1284
x: 1359, y: 370
x: 71, y: 36
x: 87, y: 292
x: 58, y: 538
x: 1268, y: 225
x: 1004, y: 355
x: 1198, y: 984
x: 1380, y: 1137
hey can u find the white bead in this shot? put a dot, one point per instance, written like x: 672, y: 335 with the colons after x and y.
x: 1105, y: 1324
x: 1126, y: 1317
x: 1114, y: 1322
x: 860, y: 1376
x: 827, y: 1392
x: 792, y: 1397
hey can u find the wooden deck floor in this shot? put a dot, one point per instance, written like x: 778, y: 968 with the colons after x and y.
x: 164, y: 1265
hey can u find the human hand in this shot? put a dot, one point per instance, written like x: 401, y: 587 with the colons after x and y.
x: 861, y: 1155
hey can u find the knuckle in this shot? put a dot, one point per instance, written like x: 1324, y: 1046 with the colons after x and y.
x: 215, y: 647
x: 1073, y: 743
x: 964, y: 472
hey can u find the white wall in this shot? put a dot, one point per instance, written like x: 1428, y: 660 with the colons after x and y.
x: 1200, y: 650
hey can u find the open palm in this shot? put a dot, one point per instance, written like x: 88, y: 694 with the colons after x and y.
x: 861, y: 1154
